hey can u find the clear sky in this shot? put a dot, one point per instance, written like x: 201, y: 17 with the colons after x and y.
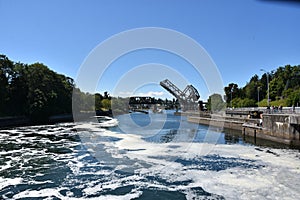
x: 240, y: 36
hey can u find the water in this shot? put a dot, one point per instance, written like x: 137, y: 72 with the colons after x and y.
x: 145, y: 157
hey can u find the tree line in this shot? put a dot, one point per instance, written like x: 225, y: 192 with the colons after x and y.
x: 37, y: 92
x: 33, y: 90
x: 284, y: 89
x: 119, y: 105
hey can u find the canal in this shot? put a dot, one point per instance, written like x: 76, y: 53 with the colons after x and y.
x: 139, y: 156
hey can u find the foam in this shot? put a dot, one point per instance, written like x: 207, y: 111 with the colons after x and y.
x: 39, y: 193
x: 277, y: 175
x: 9, y: 181
x: 260, y: 173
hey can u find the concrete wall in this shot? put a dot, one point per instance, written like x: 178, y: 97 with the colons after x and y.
x: 259, y: 132
x: 219, y: 121
x: 282, y: 128
x: 282, y: 125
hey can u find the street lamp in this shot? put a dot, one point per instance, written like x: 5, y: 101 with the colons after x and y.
x: 267, y: 85
x: 231, y: 90
x: 258, y: 88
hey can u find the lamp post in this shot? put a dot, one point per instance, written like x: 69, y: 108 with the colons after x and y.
x: 231, y: 90
x: 258, y: 88
x: 267, y: 85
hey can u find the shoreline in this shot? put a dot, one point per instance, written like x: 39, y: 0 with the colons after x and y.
x: 17, y: 121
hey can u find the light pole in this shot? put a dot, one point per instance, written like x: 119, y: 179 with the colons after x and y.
x: 258, y: 88
x: 231, y: 90
x: 267, y: 85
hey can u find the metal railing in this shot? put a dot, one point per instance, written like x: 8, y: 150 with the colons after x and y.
x: 272, y: 110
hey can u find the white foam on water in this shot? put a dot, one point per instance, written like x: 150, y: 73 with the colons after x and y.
x: 110, y: 123
x: 9, y: 181
x: 131, y: 195
x: 7, y: 166
x: 39, y: 193
x: 114, y: 183
x: 276, y: 177
x: 275, y: 173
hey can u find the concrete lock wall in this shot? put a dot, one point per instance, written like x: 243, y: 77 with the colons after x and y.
x: 282, y: 128
x: 281, y: 125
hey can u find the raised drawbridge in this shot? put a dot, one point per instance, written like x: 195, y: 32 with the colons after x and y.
x: 188, y: 98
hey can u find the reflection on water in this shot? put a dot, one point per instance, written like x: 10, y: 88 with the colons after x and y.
x: 237, y: 137
x: 177, y: 129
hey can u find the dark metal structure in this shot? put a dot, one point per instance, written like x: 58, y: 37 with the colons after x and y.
x: 141, y: 100
x: 188, y: 98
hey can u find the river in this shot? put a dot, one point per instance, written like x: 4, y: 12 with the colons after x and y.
x: 139, y: 156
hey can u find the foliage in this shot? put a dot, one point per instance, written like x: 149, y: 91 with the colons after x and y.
x: 83, y: 101
x: 106, y: 104
x: 33, y: 90
x: 120, y: 105
x: 232, y: 91
x: 98, y: 99
x: 294, y: 98
x: 246, y: 102
x: 284, y: 89
x: 264, y: 103
x: 215, y: 103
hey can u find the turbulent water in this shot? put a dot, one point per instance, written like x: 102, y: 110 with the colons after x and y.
x: 144, y: 157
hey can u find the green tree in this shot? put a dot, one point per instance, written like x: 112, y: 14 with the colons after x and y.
x: 120, y: 105
x: 49, y: 93
x: 283, y: 86
x: 250, y: 90
x: 98, y: 99
x: 293, y: 98
x: 18, y: 90
x: 246, y: 102
x: 33, y: 90
x: 232, y: 90
x: 106, y: 104
x: 6, y: 67
x: 215, y: 103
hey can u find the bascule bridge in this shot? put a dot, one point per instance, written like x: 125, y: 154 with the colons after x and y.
x: 188, y: 98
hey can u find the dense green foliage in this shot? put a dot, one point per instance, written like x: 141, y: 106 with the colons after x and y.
x: 33, y: 90
x: 284, y: 86
x: 215, y: 103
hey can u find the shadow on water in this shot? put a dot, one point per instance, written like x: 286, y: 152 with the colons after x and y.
x: 197, y: 192
x: 212, y: 162
x: 237, y: 137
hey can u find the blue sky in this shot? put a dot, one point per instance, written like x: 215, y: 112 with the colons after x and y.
x: 241, y: 37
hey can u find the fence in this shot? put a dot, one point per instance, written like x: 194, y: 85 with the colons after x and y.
x: 272, y: 110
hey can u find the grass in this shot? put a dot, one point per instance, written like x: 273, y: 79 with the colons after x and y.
x: 281, y: 102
